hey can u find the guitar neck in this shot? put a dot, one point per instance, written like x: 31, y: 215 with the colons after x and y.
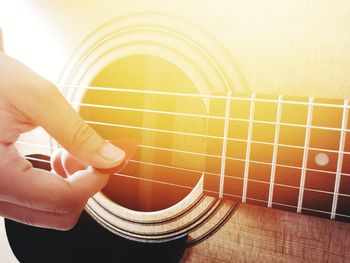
x: 287, y: 152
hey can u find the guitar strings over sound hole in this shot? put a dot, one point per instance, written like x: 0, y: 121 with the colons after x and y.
x: 156, y: 162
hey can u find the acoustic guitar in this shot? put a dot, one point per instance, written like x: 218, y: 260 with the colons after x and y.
x: 221, y: 174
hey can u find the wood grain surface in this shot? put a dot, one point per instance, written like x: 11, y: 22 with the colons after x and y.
x: 257, y: 234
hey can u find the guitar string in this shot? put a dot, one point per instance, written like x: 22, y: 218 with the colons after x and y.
x: 310, y: 148
x: 236, y: 140
x: 168, y: 93
x: 209, y: 116
x: 174, y: 132
x: 193, y: 134
x: 151, y: 129
x: 230, y: 177
x: 204, y: 116
x: 205, y: 155
x: 209, y: 191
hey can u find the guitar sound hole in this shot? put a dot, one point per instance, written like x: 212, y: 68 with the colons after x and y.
x: 147, y: 183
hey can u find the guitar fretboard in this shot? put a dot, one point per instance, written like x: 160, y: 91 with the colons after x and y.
x: 295, y: 154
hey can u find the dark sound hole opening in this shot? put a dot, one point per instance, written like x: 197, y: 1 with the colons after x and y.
x: 148, y: 184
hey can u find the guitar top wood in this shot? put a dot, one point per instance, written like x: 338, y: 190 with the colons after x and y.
x: 258, y: 234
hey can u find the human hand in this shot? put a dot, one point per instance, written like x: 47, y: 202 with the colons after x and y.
x: 35, y: 196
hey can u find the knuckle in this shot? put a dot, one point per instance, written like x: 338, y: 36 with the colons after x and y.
x: 82, y: 134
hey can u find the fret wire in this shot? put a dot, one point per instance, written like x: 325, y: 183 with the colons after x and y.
x: 247, y: 158
x: 206, y: 173
x: 340, y: 159
x: 275, y: 149
x: 206, y: 155
x: 305, y: 156
x: 224, y: 145
x: 205, y: 116
x: 169, y: 93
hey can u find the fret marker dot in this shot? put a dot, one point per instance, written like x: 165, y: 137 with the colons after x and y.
x: 322, y: 159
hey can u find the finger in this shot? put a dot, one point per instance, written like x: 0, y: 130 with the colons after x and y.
x: 60, y: 120
x: 39, y: 218
x: 38, y: 189
x: 56, y: 163
x: 71, y: 164
x: 45, y: 106
x: 129, y: 146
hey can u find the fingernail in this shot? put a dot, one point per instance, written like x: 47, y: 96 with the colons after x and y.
x: 111, y: 152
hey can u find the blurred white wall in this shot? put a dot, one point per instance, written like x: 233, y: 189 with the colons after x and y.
x: 292, y: 47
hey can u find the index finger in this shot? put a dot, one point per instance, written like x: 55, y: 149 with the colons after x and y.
x: 41, y: 103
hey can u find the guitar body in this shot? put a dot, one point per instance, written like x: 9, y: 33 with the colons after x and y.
x: 253, y: 234
x: 258, y: 234
x: 247, y: 99
x: 250, y: 234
